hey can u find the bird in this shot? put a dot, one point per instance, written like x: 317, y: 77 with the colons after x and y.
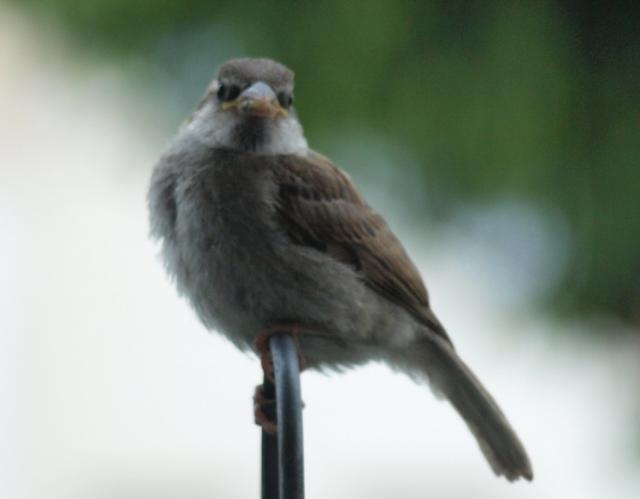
x: 261, y: 233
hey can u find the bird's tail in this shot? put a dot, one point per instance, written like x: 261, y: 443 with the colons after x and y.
x: 449, y: 375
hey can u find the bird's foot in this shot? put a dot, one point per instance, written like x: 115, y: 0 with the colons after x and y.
x: 262, y: 345
x: 264, y: 411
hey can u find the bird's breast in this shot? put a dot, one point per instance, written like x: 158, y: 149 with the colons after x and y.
x: 234, y: 262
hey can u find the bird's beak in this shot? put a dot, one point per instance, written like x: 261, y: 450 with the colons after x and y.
x: 257, y: 100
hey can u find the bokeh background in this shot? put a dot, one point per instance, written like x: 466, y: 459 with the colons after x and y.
x: 502, y: 142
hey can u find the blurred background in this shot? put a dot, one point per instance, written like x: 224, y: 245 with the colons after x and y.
x: 501, y: 141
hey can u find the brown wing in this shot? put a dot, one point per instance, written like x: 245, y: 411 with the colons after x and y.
x: 320, y: 207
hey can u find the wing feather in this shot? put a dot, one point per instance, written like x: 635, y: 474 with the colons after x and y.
x: 319, y: 206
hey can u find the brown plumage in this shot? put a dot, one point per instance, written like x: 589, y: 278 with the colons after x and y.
x: 320, y: 207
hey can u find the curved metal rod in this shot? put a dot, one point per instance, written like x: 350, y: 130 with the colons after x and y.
x: 282, y: 454
x: 270, y: 486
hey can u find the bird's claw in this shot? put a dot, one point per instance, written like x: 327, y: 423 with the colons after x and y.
x: 264, y: 411
x: 262, y: 345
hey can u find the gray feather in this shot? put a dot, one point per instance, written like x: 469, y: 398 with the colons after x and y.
x: 275, y: 233
x: 449, y: 376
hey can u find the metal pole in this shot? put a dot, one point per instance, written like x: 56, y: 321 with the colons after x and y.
x: 270, y: 487
x: 287, y: 461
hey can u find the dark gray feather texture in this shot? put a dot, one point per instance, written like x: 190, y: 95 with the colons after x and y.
x: 244, y: 71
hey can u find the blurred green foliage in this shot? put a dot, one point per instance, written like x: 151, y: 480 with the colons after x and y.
x: 533, y: 99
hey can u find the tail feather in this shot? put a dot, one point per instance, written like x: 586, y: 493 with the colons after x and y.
x: 449, y: 375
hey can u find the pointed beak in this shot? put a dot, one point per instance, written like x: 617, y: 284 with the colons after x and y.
x: 257, y: 100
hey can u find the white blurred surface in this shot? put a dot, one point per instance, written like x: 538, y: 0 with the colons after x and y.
x: 110, y: 388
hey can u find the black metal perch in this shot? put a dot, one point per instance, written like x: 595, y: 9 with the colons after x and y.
x: 282, y: 453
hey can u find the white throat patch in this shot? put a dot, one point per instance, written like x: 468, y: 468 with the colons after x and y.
x: 216, y: 129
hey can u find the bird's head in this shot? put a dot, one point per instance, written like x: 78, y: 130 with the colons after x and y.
x: 249, y: 107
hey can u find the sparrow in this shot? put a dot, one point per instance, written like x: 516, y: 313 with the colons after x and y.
x: 261, y: 233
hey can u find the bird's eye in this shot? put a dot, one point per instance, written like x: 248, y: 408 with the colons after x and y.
x: 221, y: 91
x: 285, y: 99
x: 228, y: 92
